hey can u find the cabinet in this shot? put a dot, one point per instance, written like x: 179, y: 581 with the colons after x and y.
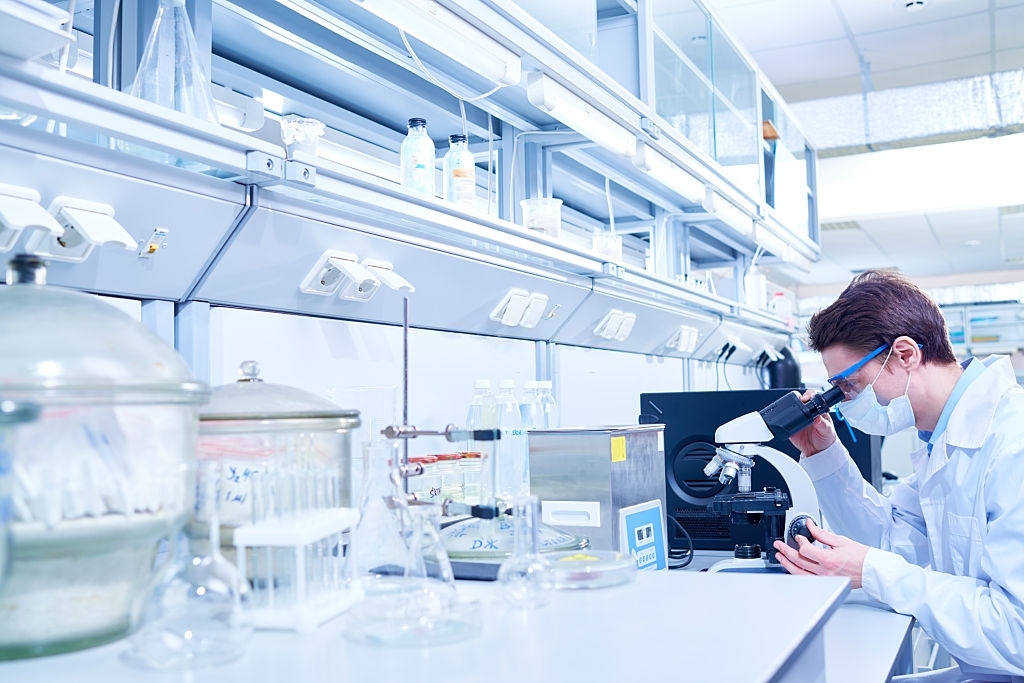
x: 983, y: 329
x: 645, y: 119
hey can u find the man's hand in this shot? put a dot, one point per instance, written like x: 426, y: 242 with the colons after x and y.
x: 816, y: 437
x: 842, y: 557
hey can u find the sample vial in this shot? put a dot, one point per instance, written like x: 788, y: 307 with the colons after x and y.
x: 417, y: 159
x: 459, y: 173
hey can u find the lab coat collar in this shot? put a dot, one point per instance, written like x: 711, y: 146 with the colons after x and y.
x: 971, y: 420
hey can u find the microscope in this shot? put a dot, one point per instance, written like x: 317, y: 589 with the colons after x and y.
x: 780, y: 516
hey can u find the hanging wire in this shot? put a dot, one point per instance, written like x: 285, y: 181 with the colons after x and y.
x: 608, y: 198
x: 438, y: 83
x: 490, y: 164
x: 110, y: 42
x: 512, y: 161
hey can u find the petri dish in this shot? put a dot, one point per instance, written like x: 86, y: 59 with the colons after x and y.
x: 591, y: 569
x: 414, y: 615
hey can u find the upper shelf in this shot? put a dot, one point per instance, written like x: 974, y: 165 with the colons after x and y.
x: 67, y: 118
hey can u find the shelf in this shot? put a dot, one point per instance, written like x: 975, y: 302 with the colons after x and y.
x: 278, y: 214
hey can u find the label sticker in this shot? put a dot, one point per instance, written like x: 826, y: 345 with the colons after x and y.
x: 618, y: 449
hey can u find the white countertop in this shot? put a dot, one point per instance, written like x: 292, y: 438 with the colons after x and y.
x: 707, y: 627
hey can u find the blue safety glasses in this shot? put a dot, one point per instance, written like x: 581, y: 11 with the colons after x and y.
x: 842, y: 379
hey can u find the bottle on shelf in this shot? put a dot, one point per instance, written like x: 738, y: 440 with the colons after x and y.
x: 417, y: 159
x: 549, y: 408
x: 513, y: 450
x: 482, y: 414
x: 459, y: 173
x: 530, y: 409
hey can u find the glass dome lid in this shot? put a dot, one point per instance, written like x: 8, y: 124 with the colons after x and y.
x: 251, y: 401
x: 62, y: 346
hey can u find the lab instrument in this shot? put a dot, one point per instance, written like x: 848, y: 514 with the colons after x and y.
x: 101, y: 476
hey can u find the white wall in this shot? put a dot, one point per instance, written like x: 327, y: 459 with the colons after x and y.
x: 597, y: 387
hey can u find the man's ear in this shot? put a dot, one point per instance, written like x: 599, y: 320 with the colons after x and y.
x: 907, y: 352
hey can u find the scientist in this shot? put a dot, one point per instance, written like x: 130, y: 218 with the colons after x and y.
x: 947, y: 545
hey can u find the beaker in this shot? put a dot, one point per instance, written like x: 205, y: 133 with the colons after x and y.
x: 170, y: 73
x: 543, y: 214
x: 378, y: 550
x: 525, y: 577
x: 197, y: 615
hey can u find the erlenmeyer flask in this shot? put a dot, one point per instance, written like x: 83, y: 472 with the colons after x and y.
x: 427, y: 556
x: 378, y: 551
x: 170, y: 73
x: 525, y: 576
x: 196, y: 617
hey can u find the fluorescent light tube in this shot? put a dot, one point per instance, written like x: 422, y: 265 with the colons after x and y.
x: 450, y: 34
x: 548, y: 95
x: 729, y: 214
x: 669, y: 174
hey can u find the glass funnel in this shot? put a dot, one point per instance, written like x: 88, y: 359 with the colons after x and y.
x: 525, y: 577
x: 196, y: 616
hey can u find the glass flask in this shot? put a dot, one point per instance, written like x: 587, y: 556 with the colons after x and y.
x: 196, y: 617
x: 417, y: 159
x: 170, y: 73
x: 427, y: 556
x: 525, y: 577
x: 378, y: 550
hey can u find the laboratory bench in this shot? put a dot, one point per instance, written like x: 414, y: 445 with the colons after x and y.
x: 728, y: 627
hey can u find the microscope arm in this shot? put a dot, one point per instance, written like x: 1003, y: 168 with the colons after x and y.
x: 801, y: 490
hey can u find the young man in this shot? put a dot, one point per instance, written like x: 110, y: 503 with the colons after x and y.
x: 947, y: 545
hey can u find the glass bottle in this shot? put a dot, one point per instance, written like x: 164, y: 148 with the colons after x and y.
x: 548, y: 405
x: 417, y: 159
x: 513, y: 455
x: 530, y: 408
x: 459, y: 173
x: 170, y: 73
x: 525, y: 576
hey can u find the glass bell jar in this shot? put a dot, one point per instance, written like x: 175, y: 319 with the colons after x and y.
x: 103, y: 473
x: 284, y: 499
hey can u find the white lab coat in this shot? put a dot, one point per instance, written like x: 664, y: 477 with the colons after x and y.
x: 948, y: 542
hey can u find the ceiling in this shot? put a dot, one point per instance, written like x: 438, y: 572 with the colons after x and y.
x: 819, y: 49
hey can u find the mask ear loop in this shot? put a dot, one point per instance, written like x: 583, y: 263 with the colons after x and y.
x: 883, y: 366
x: 849, y: 427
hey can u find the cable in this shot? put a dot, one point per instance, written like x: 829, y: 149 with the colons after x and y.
x: 721, y: 352
x: 608, y: 199
x: 435, y: 81
x: 512, y: 161
x: 110, y: 43
x: 677, y: 557
x: 725, y: 367
x: 490, y: 164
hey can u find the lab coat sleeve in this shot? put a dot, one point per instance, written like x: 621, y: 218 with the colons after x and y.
x: 979, y: 623
x: 853, y: 508
x: 978, y: 617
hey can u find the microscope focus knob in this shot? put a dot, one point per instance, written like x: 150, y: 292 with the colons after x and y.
x: 798, y: 527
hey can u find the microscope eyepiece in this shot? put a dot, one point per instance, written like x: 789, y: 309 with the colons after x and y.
x: 788, y: 414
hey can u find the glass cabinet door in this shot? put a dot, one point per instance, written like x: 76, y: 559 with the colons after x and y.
x: 704, y: 89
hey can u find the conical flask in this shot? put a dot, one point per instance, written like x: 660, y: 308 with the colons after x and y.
x: 378, y: 551
x: 526, y: 575
x: 170, y: 73
x: 197, y: 615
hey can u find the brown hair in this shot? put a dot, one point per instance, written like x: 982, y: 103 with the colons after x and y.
x: 877, y: 307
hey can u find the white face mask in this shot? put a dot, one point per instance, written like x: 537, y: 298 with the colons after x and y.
x: 865, y: 413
